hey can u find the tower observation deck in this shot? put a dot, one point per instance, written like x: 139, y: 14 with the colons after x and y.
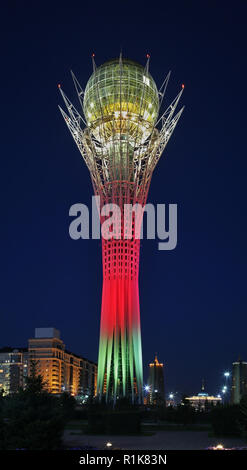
x: 121, y: 139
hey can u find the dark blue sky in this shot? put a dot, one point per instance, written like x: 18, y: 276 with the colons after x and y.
x: 193, y: 299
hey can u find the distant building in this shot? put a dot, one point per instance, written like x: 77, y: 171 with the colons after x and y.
x: 203, y: 400
x: 13, y: 369
x: 61, y: 369
x: 239, y: 380
x: 156, y: 388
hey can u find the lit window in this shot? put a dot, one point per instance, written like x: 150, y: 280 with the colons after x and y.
x: 146, y: 80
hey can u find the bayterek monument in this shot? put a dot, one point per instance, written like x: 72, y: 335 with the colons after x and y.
x: 121, y: 137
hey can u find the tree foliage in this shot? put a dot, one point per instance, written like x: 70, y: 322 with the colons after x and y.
x: 33, y: 419
x: 225, y: 420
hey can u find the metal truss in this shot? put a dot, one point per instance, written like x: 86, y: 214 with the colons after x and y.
x: 145, y: 156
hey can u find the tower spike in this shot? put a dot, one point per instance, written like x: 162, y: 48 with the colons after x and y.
x: 79, y: 90
x: 78, y: 137
x: 75, y: 116
x: 165, y: 82
x: 165, y: 134
x: 168, y: 128
x: 170, y: 123
x: 147, y: 63
x: 65, y: 116
x: 168, y: 113
x: 163, y: 87
x: 93, y: 61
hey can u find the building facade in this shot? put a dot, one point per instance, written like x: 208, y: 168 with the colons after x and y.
x: 13, y: 369
x: 239, y: 381
x: 203, y: 401
x: 62, y: 370
x: 156, y: 387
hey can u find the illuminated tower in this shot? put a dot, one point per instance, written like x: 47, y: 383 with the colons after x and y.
x: 121, y: 144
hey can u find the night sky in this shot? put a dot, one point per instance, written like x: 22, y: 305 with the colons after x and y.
x: 193, y: 299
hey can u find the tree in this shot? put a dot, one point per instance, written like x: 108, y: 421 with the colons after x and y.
x: 243, y: 415
x: 67, y: 405
x: 34, y: 382
x: 225, y: 420
x: 33, y: 418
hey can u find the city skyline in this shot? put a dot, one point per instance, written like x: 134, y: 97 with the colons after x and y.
x: 223, y: 388
x: 198, y: 291
x: 61, y: 369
